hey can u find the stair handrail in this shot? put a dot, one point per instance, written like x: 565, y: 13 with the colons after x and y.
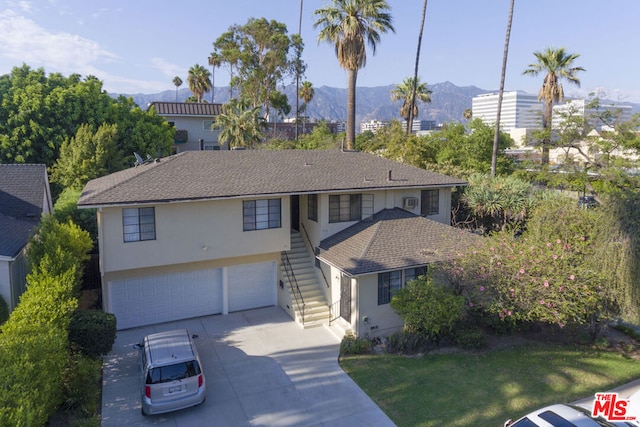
x: 334, y: 312
x: 293, y: 284
x: 326, y: 282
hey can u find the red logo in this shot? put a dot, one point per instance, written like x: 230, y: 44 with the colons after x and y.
x: 609, y: 406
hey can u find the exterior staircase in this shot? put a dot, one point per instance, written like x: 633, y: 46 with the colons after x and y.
x: 316, y: 309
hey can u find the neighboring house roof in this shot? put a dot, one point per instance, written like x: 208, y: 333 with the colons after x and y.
x: 24, y: 196
x: 393, y: 239
x: 186, y: 108
x: 206, y: 175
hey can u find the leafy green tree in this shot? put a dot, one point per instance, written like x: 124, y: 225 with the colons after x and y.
x: 240, y: 125
x: 199, y: 81
x: 66, y: 209
x: 86, y: 156
x: 468, y: 152
x: 405, y: 92
x: 40, y: 112
x: 556, y: 64
x: 349, y: 25
x: 259, y: 53
x: 177, y: 82
x: 321, y: 138
x: 280, y: 103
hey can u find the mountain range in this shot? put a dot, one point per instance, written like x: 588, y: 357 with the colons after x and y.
x: 448, y: 102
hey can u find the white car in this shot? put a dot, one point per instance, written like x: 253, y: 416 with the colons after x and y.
x: 563, y: 416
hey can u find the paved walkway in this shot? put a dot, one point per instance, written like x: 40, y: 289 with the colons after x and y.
x: 261, y: 369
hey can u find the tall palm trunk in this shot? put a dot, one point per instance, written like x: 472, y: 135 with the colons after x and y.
x: 546, y: 125
x: 351, y: 110
x: 496, y: 133
x: 415, y: 73
x: 298, y: 76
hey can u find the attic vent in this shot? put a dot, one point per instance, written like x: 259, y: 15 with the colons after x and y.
x: 410, y: 202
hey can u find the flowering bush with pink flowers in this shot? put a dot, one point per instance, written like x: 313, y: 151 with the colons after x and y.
x: 552, y: 273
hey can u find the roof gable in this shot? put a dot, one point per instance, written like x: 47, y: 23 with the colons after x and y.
x: 205, y: 175
x: 393, y: 239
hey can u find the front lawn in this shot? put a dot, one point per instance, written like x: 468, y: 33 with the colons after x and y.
x: 485, y: 389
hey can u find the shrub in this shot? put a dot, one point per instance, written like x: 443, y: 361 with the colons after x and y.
x: 81, y: 384
x: 469, y: 337
x: 93, y: 331
x: 408, y: 343
x: 354, y: 345
x: 429, y: 309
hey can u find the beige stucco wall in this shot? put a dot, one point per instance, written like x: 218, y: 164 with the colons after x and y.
x: 382, y: 319
x: 383, y: 199
x: 189, y: 233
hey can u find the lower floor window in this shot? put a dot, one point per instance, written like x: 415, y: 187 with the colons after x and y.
x: 391, y: 281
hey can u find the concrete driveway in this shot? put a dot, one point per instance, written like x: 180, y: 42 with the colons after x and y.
x: 261, y: 369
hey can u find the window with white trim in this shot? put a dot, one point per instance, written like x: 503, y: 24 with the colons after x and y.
x: 261, y: 214
x: 138, y: 224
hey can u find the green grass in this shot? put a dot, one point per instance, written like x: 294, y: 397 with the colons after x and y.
x: 485, y: 389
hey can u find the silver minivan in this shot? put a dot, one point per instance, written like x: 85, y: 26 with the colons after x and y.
x: 171, y: 372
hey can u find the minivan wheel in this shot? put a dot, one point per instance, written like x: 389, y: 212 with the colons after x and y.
x: 144, y: 414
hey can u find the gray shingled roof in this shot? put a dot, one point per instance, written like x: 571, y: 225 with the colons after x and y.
x: 186, y: 108
x: 394, y: 239
x: 22, y: 194
x: 203, y: 175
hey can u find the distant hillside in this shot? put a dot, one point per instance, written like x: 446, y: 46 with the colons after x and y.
x: 448, y: 102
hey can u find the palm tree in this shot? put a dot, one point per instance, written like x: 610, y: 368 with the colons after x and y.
x: 557, y: 64
x: 350, y: 25
x: 496, y: 133
x: 199, y: 81
x: 467, y: 114
x: 307, y: 92
x: 177, y: 81
x: 415, y: 72
x: 406, y: 91
x: 240, y: 125
x: 215, y: 61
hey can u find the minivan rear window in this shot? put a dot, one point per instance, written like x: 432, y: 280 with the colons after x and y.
x: 178, y: 371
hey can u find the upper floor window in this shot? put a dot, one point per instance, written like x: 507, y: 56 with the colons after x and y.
x: 261, y: 214
x: 430, y: 202
x: 350, y: 207
x: 139, y: 224
x: 207, y: 125
x: 312, y: 207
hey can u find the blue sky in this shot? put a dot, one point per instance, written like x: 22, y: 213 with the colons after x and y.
x: 138, y: 46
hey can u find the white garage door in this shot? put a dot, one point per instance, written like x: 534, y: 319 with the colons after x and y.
x: 252, y: 286
x: 163, y: 298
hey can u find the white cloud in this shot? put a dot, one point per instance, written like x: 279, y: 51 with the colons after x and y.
x: 23, y: 40
x: 166, y: 68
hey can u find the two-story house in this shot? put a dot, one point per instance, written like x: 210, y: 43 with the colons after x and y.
x: 193, y: 123
x: 24, y: 197
x: 327, y: 235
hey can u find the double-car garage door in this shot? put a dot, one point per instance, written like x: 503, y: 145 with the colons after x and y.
x: 167, y: 297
